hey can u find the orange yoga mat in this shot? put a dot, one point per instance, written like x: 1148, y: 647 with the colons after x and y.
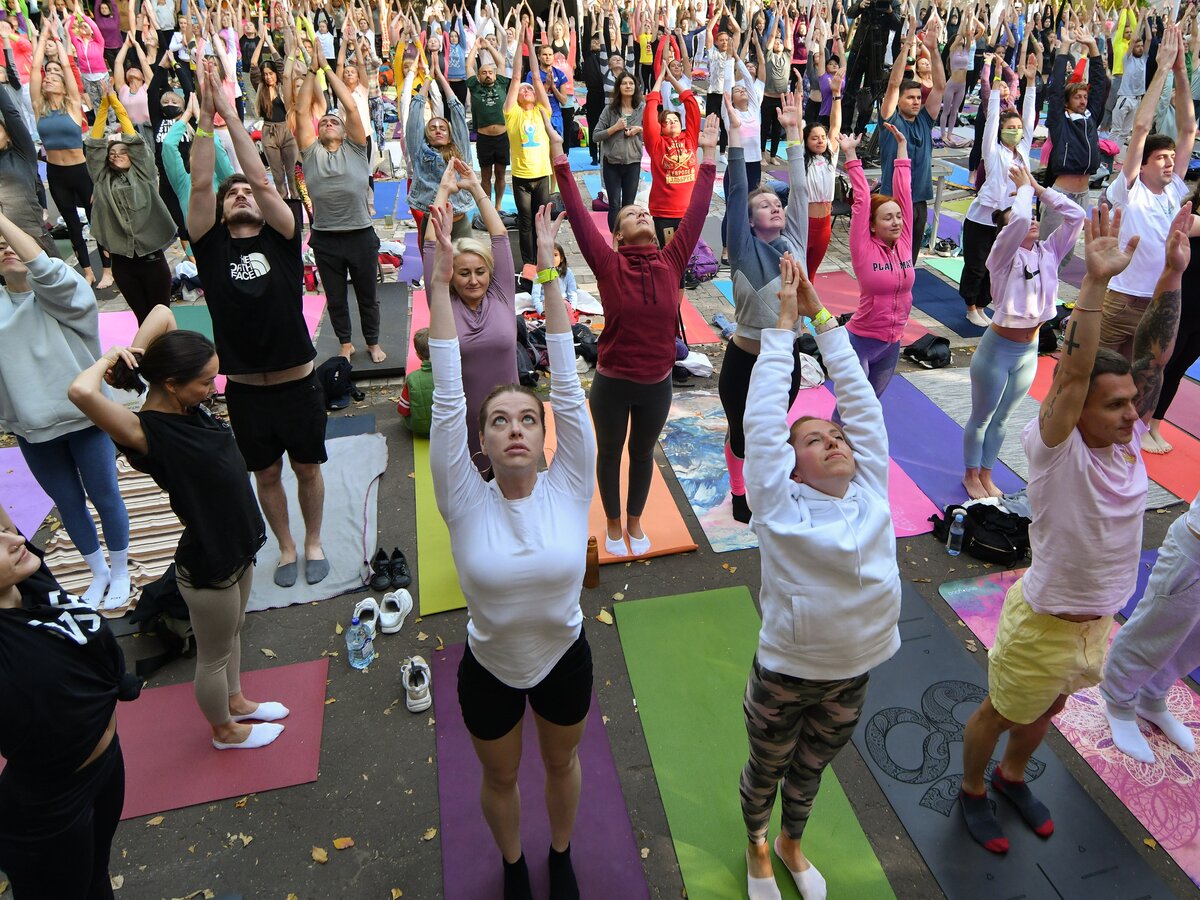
x: 1177, y: 471
x: 661, y: 520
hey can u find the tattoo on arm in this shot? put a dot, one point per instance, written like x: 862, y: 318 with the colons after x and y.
x: 1070, y: 345
x: 1048, y: 406
x: 1152, y: 346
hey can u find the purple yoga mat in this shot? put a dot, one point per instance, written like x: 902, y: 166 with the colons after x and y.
x: 927, y: 444
x: 603, y: 850
x: 411, y: 269
x: 23, y: 498
x: 1185, y: 408
x: 1145, y: 564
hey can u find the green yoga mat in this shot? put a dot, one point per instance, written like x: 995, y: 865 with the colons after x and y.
x: 950, y: 266
x: 194, y: 318
x: 437, y: 579
x: 958, y: 207
x: 688, y: 658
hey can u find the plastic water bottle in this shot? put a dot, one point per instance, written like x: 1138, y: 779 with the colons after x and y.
x: 954, y: 541
x: 359, y: 646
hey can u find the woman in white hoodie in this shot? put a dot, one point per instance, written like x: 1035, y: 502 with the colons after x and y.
x: 830, y: 593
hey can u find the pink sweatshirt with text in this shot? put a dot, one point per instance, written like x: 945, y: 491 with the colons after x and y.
x: 885, y: 273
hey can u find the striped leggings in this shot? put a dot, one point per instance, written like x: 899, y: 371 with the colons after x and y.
x: 796, y: 727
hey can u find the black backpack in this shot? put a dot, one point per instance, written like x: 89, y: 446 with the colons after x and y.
x: 930, y: 351
x: 527, y: 356
x: 990, y: 534
x: 161, y: 609
x: 335, y: 377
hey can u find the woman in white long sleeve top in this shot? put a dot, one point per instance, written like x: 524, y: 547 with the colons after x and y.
x: 830, y: 593
x: 1007, y: 139
x: 1024, y: 277
x: 519, y: 543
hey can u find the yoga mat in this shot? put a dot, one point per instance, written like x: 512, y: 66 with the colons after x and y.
x: 438, y: 589
x: 593, y: 183
x: 348, y: 530
x: 581, y: 159
x: 402, y: 209
x: 385, y: 198
x: 23, y: 498
x: 935, y: 298
x: 170, y: 761
x: 411, y: 269
x: 1185, y: 408
x: 1177, y: 471
x: 725, y: 286
x: 695, y: 326
x: 604, y: 851
x: 1073, y: 270
x: 117, y: 328
x: 916, y: 426
x: 418, y: 319
x: 1193, y: 371
x: 347, y: 426
x: 958, y: 207
x: 194, y: 318
x: 839, y: 292
x: 950, y: 266
x: 949, y: 227
x: 688, y: 657
x: 1163, y: 795
x: 393, y: 333
x: 911, y: 738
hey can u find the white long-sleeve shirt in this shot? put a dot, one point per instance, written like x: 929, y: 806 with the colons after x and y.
x: 998, y: 188
x: 1025, y: 282
x: 830, y: 584
x: 520, y: 562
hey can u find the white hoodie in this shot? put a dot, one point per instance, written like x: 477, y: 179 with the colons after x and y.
x: 830, y: 592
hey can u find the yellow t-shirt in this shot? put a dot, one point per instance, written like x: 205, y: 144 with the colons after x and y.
x: 644, y: 40
x: 528, y: 142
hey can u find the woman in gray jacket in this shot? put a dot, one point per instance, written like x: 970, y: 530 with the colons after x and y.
x: 619, y: 133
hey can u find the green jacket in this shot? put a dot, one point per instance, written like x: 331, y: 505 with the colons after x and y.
x: 128, y: 216
x: 420, y: 399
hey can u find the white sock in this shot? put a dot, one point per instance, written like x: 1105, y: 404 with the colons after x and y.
x: 762, y: 888
x: 809, y: 882
x: 119, y: 586
x: 1177, y: 733
x: 260, y: 736
x: 101, y: 578
x: 1129, y: 739
x: 266, y: 712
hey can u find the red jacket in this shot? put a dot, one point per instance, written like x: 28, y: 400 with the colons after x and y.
x: 673, y: 162
x: 639, y: 286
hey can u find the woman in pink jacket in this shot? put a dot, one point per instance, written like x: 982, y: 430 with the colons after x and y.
x: 881, y: 253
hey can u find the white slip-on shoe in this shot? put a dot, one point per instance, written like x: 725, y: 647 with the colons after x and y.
x: 417, y: 680
x: 260, y: 736
x: 393, y: 610
x: 367, y: 612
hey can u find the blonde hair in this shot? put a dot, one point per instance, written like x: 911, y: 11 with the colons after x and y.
x: 479, y: 248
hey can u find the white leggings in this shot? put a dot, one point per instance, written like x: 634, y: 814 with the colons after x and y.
x: 218, y: 615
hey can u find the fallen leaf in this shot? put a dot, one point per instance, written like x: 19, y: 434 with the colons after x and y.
x: 920, y: 581
x: 338, y: 629
x: 293, y: 897
x: 320, y: 855
x: 397, y: 893
x: 412, y: 474
x: 422, y: 636
x: 343, y: 843
x: 441, y: 645
x: 241, y: 804
x: 732, y: 569
x: 604, y: 616
x: 724, y: 565
x: 618, y: 596
x: 604, y: 719
x: 192, y: 849
x: 331, y: 700
x: 431, y: 720
x: 429, y: 835
x: 1150, y: 842
x: 269, y: 654
x: 117, y: 882
x: 645, y: 852
x: 157, y: 820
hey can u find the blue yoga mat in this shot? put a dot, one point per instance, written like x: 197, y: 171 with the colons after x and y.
x: 386, y: 194
x: 581, y: 160
x: 594, y: 184
x: 725, y: 286
x: 934, y: 297
x: 1194, y: 372
x: 914, y: 425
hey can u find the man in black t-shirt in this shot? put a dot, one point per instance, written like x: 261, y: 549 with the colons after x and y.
x: 247, y: 247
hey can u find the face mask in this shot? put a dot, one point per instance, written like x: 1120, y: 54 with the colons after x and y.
x: 1011, y: 136
x: 172, y: 112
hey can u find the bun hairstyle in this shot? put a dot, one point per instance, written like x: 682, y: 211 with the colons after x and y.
x: 178, y: 356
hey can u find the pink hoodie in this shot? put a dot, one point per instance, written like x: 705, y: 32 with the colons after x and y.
x: 885, y: 274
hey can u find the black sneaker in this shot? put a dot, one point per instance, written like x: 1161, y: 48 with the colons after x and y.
x: 381, y: 576
x: 398, y: 570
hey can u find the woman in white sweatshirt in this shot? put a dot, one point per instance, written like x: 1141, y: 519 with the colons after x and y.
x: 830, y: 593
x: 519, y: 543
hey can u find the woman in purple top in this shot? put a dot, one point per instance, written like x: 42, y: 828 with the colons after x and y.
x: 109, y: 23
x: 483, y: 291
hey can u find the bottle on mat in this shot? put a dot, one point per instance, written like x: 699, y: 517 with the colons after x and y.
x: 359, y: 646
x: 591, y: 575
x: 954, y: 540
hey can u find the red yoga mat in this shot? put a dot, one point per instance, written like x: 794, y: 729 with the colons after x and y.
x: 839, y: 292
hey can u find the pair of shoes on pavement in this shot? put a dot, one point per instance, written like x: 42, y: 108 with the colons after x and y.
x: 384, y: 616
x: 389, y: 574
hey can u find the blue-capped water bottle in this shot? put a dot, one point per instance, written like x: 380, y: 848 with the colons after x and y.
x: 954, y: 540
x: 359, y: 646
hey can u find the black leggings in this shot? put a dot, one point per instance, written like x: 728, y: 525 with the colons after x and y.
x: 531, y: 195
x: 713, y: 103
x: 71, y: 187
x: 975, y: 284
x: 144, y: 281
x: 772, y: 131
x: 1187, y: 351
x: 623, y: 408
x: 339, y: 254
x: 621, y: 184
x: 56, y: 835
x: 733, y: 387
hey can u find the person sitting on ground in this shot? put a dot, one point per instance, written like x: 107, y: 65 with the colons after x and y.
x: 192, y: 456
x: 416, y: 398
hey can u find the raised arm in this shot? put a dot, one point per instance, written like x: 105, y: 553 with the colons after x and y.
x: 1143, y: 119
x: 202, y: 203
x: 1154, y: 340
x: 933, y: 103
x: 1185, y: 110
x: 356, y: 130
x: 514, y: 85
x: 891, y: 95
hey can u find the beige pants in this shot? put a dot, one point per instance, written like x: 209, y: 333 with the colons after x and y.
x: 218, y: 615
x: 1122, y: 313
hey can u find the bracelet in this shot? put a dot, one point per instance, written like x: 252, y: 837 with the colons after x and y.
x: 1078, y: 308
x: 822, y: 317
x: 545, y: 276
x: 201, y: 133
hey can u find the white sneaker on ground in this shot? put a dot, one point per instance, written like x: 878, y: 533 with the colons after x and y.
x: 417, y: 680
x: 393, y: 610
x: 367, y: 612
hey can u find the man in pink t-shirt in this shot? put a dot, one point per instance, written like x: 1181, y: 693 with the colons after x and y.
x: 1087, y: 494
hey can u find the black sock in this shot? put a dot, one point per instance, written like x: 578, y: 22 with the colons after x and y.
x: 741, y: 508
x: 1032, y: 810
x: 981, y: 821
x: 563, y: 885
x: 516, y: 880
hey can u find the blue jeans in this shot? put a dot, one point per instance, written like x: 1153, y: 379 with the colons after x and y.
x: 1001, y: 373
x: 878, y: 359
x: 67, y: 467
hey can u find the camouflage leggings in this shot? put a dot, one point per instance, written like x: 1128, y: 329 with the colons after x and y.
x: 796, y: 727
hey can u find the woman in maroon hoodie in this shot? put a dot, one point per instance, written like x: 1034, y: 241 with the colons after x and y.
x: 639, y: 289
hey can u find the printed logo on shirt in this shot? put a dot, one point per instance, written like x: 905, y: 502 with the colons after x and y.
x: 679, y: 163
x: 887, y: 267
x: 250, y: 267
x: 530, y: 140
x: 75, y: 618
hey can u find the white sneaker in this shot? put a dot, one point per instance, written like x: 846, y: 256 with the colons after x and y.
x: 367, y: 612
x: 416, y: 678
x: 393, y: 610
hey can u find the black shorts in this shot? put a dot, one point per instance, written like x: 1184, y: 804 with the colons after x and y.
x: 491, y: 709
x: 271, y: 420
x: 492, y: 149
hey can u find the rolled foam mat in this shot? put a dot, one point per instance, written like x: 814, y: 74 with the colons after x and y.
x: 437, y: 579
x: 911, y: 738
x: 604, y: 851
x: 23, y: 498
x: 839, y: 293
x: 689, y: 692
x: 935, y: 298
x: 1163, y: 795
x: 1177, y: 471
x: 393, y: 333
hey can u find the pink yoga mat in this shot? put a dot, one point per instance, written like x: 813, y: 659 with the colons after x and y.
x: 23, y: 498
x: 911, y: 509
x: 604, y: 851
x: 418, y: 318
x: 117, y: 328
x: 1185, y: 409
x: 839, y: 292
x: 1164, y: 795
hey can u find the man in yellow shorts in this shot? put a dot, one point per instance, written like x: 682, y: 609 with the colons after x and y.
x: 1087, y: 493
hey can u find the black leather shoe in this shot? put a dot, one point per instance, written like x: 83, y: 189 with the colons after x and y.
x: 381, y: 576
x: 398, y: 569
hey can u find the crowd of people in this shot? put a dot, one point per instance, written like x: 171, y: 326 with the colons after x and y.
x: 252, y: 134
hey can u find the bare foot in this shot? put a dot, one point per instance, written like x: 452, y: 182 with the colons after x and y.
x: 975, y: 488
x: 758, y: 861
x: 377, y: 354
x: 985, y: 479
x: 106, y: 281
x: 347, y: 351
x: 1152, y: 443
x: 89, y: 276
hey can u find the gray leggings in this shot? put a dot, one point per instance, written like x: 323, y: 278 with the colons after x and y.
x: 623, y: 408
x: 952, y: 102
x: 218, y: 615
